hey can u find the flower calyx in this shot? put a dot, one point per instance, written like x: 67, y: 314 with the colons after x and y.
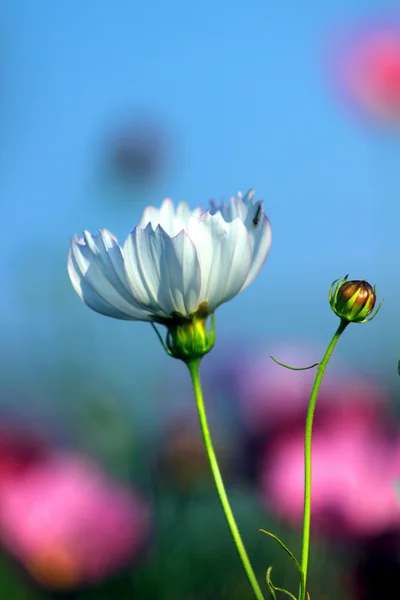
x: 188, y: 338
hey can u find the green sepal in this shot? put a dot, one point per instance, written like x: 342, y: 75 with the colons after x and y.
x: 333, y: 296
x: 374, y: 314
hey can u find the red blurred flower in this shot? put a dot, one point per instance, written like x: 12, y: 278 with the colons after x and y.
x: 367, y: 66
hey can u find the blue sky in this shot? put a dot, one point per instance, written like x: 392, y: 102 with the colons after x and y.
x: 242, y: 90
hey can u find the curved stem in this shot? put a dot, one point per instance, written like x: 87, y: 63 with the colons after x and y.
x: 307, y: 455
x: 194, y: 373
x: 293, y: 368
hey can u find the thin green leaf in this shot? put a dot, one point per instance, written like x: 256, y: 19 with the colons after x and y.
x: 294, y: 368
x: 278, y: 589
x: 273, y: 588
x: 286, y: 549
x: 290, y: 553
x: 285, y: 592
x: 270, y: 584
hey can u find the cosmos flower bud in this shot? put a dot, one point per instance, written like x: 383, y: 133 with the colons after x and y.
x: 353, y: 301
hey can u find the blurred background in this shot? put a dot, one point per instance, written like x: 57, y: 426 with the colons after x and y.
x: 106, y: 108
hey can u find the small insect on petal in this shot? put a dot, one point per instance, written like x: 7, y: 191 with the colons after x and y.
x: 256, y: 218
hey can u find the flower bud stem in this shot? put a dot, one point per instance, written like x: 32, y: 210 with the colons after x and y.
x: 307, y: 455
x: 194, y: 373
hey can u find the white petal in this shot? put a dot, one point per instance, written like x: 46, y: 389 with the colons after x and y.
x: 150, y: 215
x: 183, y: 212
x: 238, y: 258
x: 86, y: 292
x: 173, y: 261
x: 163, y: 272
x: 164, y: 216
x: 105, y: 247
x: 256, y: 222
x: 96, y: 281
x: 200, y: 232
x: 173, y: 222
x: 261, y: 244
x: 180, y: 269
x: 142, y: 267
x: 224, y: 251
x: 237, y: 207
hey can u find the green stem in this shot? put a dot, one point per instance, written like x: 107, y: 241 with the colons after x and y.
x: 307, y: 455
x: 194, y: 373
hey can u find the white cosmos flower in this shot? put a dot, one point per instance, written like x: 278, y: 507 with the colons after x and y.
x: 174, y: 262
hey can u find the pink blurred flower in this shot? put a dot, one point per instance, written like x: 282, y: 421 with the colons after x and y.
x: 356, y: 459
x: 272, y: 397
x: 366, y: 63
x: 67, y: 522
x: 269, y: 393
